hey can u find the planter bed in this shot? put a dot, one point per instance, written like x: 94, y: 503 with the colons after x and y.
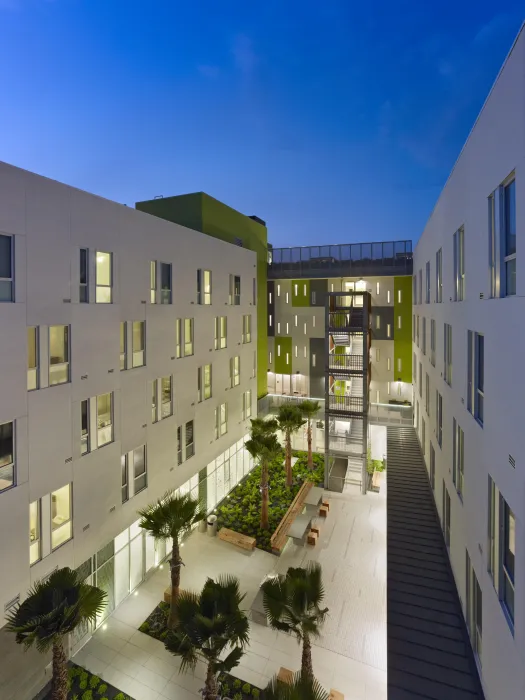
x: 236, y: 689
x: 84, y: 685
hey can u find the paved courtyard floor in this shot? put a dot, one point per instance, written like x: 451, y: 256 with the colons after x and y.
x: 350, y: 656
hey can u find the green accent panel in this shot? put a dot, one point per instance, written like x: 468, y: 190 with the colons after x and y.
x: 403, y: 335
x: 339, y: 387
x: 340, y: 350
x: 285, y: 343
x: 203, y: 213
x: 302, y: 297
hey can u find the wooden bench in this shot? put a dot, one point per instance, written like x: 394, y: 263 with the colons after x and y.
x: 323, y: 511
x: 312, y: 538
x: 236, y: 538
x: 326, y: 504
x: 278, y: 539
x: 376, y: 481
x: 285, y: 675
x: 335, y: 695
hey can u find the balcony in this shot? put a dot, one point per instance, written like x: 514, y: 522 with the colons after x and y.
x: 345, y: 364
x: 345, y: 404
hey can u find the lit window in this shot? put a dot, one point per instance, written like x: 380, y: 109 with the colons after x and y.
x: 269, y: 297
x: 296, y: 289
x: 235, y: 290
x: 221, y: 420
x: 138, y: 342
x: 305, y: 331
x: 304, y: 350
x: 278, y: 327
x: 188, y: 337
x: 123, y: 343
x: 399, y: 322
x: 247, y: 328
x: 35, y: 553
x: 190, y: 444
x: 287, y: 358
x: 247, y: 404
x: 287, y: 328
x: 166, y: 396
x: 399, y: 296
x: 388, y: 362
x: 388, y: 388
x: 58, y: 355
x: 295, y: 320
x: 388, y: 296
x: 304, y: 290
x: 124, y: 477
x: 221, y: 328
x: 153, y: 282
x: 7, y: 467
x: 178, y: 338
x: 235, y: 371
x: 287, y: 298
x: 388, y: 330
x: 204, y: 382
x: 204, y: 287
x: 104, y: 281
x: 278, y: 290
x: 85, y: 443
x: 399, y: 364
x: 32, y: 358
x: 104, y: 419
x: 278, y: 350
x: 270, y: 357
x: 83, y: 292
x: 140, y: 473
x: 61, y: 525
x: 377, y: 287
x: 314, y: 359
x: 6, y: 268
x: 296, y: 350
x: 313, y: 321
x: 270, y: 320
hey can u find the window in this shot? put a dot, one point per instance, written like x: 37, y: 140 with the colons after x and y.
x: 414, y: 288
x: 459, y: 264
x: 378, y: 321
x: 138, y: 343
x: 439, y: 418
x: 165, y: 283
x: 140, y: 472
x: 221, y: 420
x: 123, y: 344
x: 420, y: 379
x: 32, y: 358
x: 493, y: 254
x: 314, y: 359
x: 432, y: 466
x: 433, y: 342
x: 58, y: 355
x: 104, y: 419
x: 254, y: 291
x: 388, y: 296
x: 270, y: 357
x: 399, y: 322
x: 278, y: 327
x: 388, y: 363
x: 124, y: 468
x: 295, y: 320
x: 178, y: 338
x: 247, y: 328
x: 420, y: 285
x: 413, y: 328
x: 190, y: 445
x: 427, y: 394
x: 399, y: 296
x: 492, y: 529
x: 35, y: 552
x: 204, y: 287
x: 314, y: 297
x: 154, y: 400
x: 424, y: 335
x: 204, y: 382
x: 287, y: 298
x: 179, y: 445
x: 166, y: 397
x: 246, y: 405
x: 221, y: 332
x: 388, y: 330
x: 508, y: 529
x: 313, y: 321
x: 448, y: 354
x: 414, y: 368
x: 439, y: 276
x: 446, y: 515
x: 427, y: 283
x: 278, y: 290
x: 61, y: 525
x: 188, y: 337
x: 235, y: 290
x: 509, y: 243
x: 377, y: 287
x: 423, y: 436
x: 296, y: 350
x: 7, y: 467
x: 104, y: 278
x: 287, y: 328
x: 6, y: 268
x: 458, y: 457
x: 473, y: 608
x: 235, y: 371
x: 417, y: 331
x: 399, y: 364
x: 476, y: 375
x: 305, y: 331
x: 269, y: 297
x: 85, y: 443
x: 83, y: 293
x: 153, y: 282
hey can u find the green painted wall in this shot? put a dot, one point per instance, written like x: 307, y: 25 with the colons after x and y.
x: 283, y: 347
x: 302, y: 297
x: 403, y: 335
x: 203, y: 213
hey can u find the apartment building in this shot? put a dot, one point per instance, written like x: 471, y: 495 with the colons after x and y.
x: 128, y: 366
x: 468, y: 375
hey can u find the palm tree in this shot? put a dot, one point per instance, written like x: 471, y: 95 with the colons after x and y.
x: 52, y: 610
x: 300, y: 688
x: 309, y: 409
x: 264, y: 446
x: 289, y: 419
x: 292, y: 604
x: 207, y: 624
x: 172, y: 517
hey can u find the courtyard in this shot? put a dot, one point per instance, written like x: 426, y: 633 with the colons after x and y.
x: 350, y: 655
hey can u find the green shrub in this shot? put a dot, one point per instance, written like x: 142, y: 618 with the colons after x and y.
x: 237, y: 696
x: 74, y: 696
x: 237, y: 684
x: 255, y: 693
x: 225, y: 689
x: 144, y: 627
x: 119, y: 696
x: 102, y: 689
x: 94, y: 681
x: 83, y: 684
x: 246, y: 688
x: 88, y: 695
x: 72, y: 672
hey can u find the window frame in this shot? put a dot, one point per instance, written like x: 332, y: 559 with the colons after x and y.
x: 189, y: 447
x: 67, y: 353
x: 7, y: 467
x: 123, y: 360
x: 220, y: 411
x: 9, y: 280
x: 153, y: 282
x: 459, y: 264
x: 458, y: 458
x: 110, y: 425
x: 166, y: 293
x: 235, y: 371
x: 65, y: 522
x: 439, y: 276
x: 83, y: 286
x: 38, y: 538
x: 142, y: 350
x: 124, y: 471
x: 98, y: 285
x: 85, y: 438
x: 508, y: 259
x: 203, y: 297
x: 166, y: 412
x: 33, y: 372
x: 143, y: 473
x: 189, y: 345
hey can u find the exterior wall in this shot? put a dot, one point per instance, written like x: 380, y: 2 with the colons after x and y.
x: 494, y: 150
x: 50, y: 222
x: 204, y: 213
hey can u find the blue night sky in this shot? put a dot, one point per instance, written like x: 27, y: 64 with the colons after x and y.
x: 333, y: 120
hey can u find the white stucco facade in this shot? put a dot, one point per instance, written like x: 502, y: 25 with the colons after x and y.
x: 487, y: 407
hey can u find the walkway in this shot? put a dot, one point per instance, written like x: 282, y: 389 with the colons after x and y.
x: 429, y: 654
x: 350, y: 655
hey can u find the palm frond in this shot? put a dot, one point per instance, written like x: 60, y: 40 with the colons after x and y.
x: 171, y: 516
x: 309, y: 408
x: 301, y: 688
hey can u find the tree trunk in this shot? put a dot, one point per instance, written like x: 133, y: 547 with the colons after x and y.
x: 210, y: 686
x: 60, y: 677
x: 264, y: 496
x: 288, y: 458
x: 307, y: 669
x: 175, y: 564
x: 309, y: 436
